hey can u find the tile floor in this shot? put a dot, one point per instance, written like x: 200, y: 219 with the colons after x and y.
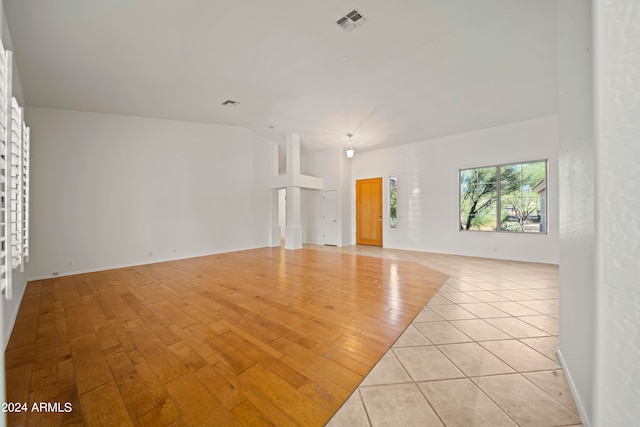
x: 481, y: 352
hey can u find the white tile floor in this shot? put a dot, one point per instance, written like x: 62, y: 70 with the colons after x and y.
x: 481, y: 353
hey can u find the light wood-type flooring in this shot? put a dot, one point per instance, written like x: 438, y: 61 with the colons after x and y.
x: 258, y: 337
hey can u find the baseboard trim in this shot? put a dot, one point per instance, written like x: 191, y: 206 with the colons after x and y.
x: 136, y: 264
x: 586, y: 422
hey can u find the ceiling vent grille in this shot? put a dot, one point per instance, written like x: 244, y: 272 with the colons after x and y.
x: 351, y: 20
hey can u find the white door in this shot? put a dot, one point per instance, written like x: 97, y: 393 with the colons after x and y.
x: 330, y: 218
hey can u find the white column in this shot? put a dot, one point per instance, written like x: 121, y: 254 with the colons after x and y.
x: 293, y: 154
x: 293, y: 181
x: 293, y: 231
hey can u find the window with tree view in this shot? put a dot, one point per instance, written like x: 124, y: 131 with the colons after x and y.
x: 393, y: 201
x: 504, y: 198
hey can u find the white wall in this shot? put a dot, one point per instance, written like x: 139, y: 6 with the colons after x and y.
x: 110, y: 190
x: 311, y: 215
x: 617, y: 118
x: 8, y: 44
x: 428, y: 190
x: 327, y: 166
x: 577, y: 224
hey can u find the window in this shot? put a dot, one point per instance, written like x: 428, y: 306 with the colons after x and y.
x: 14, y: 180
x: 504, y: 198
x: 478, y: 199
x: 393, y: 193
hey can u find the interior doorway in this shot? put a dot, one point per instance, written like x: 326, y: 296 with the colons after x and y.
x: 330, y: 218
x: 369, y: 212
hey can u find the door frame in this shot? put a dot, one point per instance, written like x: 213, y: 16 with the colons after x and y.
x: 370, y: 242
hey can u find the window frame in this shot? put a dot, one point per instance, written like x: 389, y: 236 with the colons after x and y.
x: 391, y: 225
x: 498, y: 197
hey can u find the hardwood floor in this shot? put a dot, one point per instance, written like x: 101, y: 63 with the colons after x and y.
x: 258, y: 337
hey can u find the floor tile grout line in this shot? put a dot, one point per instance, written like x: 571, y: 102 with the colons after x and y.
x: 521, y: 373
x: 546, y: 334
x: 364, y: 406
x: 511, y: 339
x: 466, y: 376
x: 535, y: 349
x: 430, y: 404
x: 545, y: 315
x: 416, y: 382
x: 549, y: 394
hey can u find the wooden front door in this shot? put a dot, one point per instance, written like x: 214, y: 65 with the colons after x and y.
x: 369, y: 212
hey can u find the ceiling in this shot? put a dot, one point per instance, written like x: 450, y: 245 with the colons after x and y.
x: 416, y: 70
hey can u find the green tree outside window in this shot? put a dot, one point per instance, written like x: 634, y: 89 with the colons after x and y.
x: 518, y: 192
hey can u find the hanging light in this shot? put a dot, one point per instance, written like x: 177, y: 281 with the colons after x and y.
x: 350, y: 151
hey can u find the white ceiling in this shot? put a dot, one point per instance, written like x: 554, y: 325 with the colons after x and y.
x: 417, y: 69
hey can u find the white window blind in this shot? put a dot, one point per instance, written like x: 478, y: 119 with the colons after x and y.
x: 16, y: 185
x: 14, y: 179
x: 5, y: 91
x: 25, y: 194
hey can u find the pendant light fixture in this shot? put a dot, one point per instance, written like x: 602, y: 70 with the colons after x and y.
x: 350, y: 151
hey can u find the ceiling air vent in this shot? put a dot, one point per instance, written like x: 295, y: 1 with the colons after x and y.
x: 230, y: 103
x: 351, y: 20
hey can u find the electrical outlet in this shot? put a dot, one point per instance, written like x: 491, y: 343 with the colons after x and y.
x: 70, y: 262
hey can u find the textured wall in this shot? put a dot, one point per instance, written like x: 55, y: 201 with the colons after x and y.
x: 577, y: 206
x: 617, y: 37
